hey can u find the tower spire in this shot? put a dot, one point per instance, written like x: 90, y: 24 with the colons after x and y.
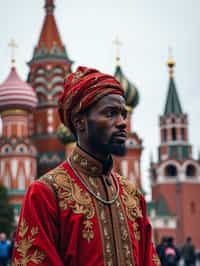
x: 50, y: 36
x: 49, y: 6
x: 173, y: 105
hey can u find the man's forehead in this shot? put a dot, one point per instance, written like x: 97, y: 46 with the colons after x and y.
x: 111, y: 100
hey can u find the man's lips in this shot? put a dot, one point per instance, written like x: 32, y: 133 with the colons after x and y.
x: 121, y: 136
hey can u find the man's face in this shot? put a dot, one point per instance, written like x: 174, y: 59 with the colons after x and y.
x: 106, y: 125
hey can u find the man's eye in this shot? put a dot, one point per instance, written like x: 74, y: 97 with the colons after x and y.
x: 110, y: 113
x: 124, y: 115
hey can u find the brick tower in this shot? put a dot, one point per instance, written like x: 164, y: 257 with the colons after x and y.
x: 17, y: 152
x: 176, y: 176
x: 48, y: 67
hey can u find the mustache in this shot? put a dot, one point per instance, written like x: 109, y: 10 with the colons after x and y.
x: 121, y: 133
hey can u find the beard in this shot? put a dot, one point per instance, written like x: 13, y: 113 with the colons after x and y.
x: 118, y: 149
x: 97, y: 142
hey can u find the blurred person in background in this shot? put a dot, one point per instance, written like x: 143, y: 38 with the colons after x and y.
x: 4, y: 250
x: 188, y: 252
x: 171, y: 254
x: 161, y: 247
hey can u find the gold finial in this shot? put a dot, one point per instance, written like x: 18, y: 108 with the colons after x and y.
x: 170, y: 62
x: 118, y: 43
x: 12, y: 44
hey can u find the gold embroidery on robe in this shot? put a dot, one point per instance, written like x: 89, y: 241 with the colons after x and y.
x: 156, y: 260
x: 70, y: 195
x: 23, y: 246
x: 131, y: 200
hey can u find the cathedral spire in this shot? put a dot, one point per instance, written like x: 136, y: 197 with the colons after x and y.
x: 50, y: 36
x: 173, y: 105
x: 49, y: 6
x: 50, y: 45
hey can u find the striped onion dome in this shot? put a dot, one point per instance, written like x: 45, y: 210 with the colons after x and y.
x: 15, y: 93
x: 131, y: 92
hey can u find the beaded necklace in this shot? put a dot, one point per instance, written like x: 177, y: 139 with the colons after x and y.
x: 107, y: 202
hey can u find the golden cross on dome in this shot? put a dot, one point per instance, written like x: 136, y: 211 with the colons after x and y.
x: 118, y: 44
x: 12, y: 44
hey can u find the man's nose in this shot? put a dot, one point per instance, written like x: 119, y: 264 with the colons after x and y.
x: 121, y: 121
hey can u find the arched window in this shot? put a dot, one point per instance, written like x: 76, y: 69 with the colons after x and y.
x: 6, y: 149
x: 190, y: 170
x: 182, y: 134
x: 173, y: 133
x: 164, y: 134
x: 40, y: 71
x: 58, y: 70
x: 170, y: 170
x: 56, y: 79
x: 21, y: 148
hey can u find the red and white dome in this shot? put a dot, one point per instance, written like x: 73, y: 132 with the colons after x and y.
x: 15, y: 93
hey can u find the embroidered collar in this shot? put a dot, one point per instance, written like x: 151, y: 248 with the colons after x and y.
x: 88, y: 165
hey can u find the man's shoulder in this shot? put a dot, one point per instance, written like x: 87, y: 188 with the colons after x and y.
x: 55, y: 178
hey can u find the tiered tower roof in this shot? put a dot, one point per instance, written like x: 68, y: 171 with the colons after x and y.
x: 50, y: 46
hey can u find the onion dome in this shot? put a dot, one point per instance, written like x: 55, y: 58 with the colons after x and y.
x: 15, y: 93
x: 131, y: 92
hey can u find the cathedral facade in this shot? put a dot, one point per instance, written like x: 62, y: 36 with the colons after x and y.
x: 34, y: 140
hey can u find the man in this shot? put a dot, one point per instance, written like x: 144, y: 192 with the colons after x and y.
x: 83, y: 213
x: 188, y: 252
x: 4, y: 250
x: 160, y: 248
x: 170, y: 254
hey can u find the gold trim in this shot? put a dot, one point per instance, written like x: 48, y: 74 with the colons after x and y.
x: 131, y: 200
x: 70, y: 195
x: 14, y: 112
x: 27, y: 237
x: 114, y: 229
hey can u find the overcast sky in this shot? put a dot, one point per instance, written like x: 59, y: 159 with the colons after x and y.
x: 145, y: 27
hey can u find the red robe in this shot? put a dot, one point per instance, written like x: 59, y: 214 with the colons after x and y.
x: 62, y: 223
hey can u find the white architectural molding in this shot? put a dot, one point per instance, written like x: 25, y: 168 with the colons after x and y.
x: 166, y: 222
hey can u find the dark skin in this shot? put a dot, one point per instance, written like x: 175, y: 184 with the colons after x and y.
x: 101, y: 130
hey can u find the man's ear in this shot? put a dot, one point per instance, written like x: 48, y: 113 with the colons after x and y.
x: 79, y: 122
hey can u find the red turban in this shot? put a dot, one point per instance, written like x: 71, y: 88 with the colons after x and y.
x: 83, y: 88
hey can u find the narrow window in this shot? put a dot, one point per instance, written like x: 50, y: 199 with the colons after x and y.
x: 173, y: 133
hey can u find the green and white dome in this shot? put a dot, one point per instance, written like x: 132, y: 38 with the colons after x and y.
x: 131, y: 92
